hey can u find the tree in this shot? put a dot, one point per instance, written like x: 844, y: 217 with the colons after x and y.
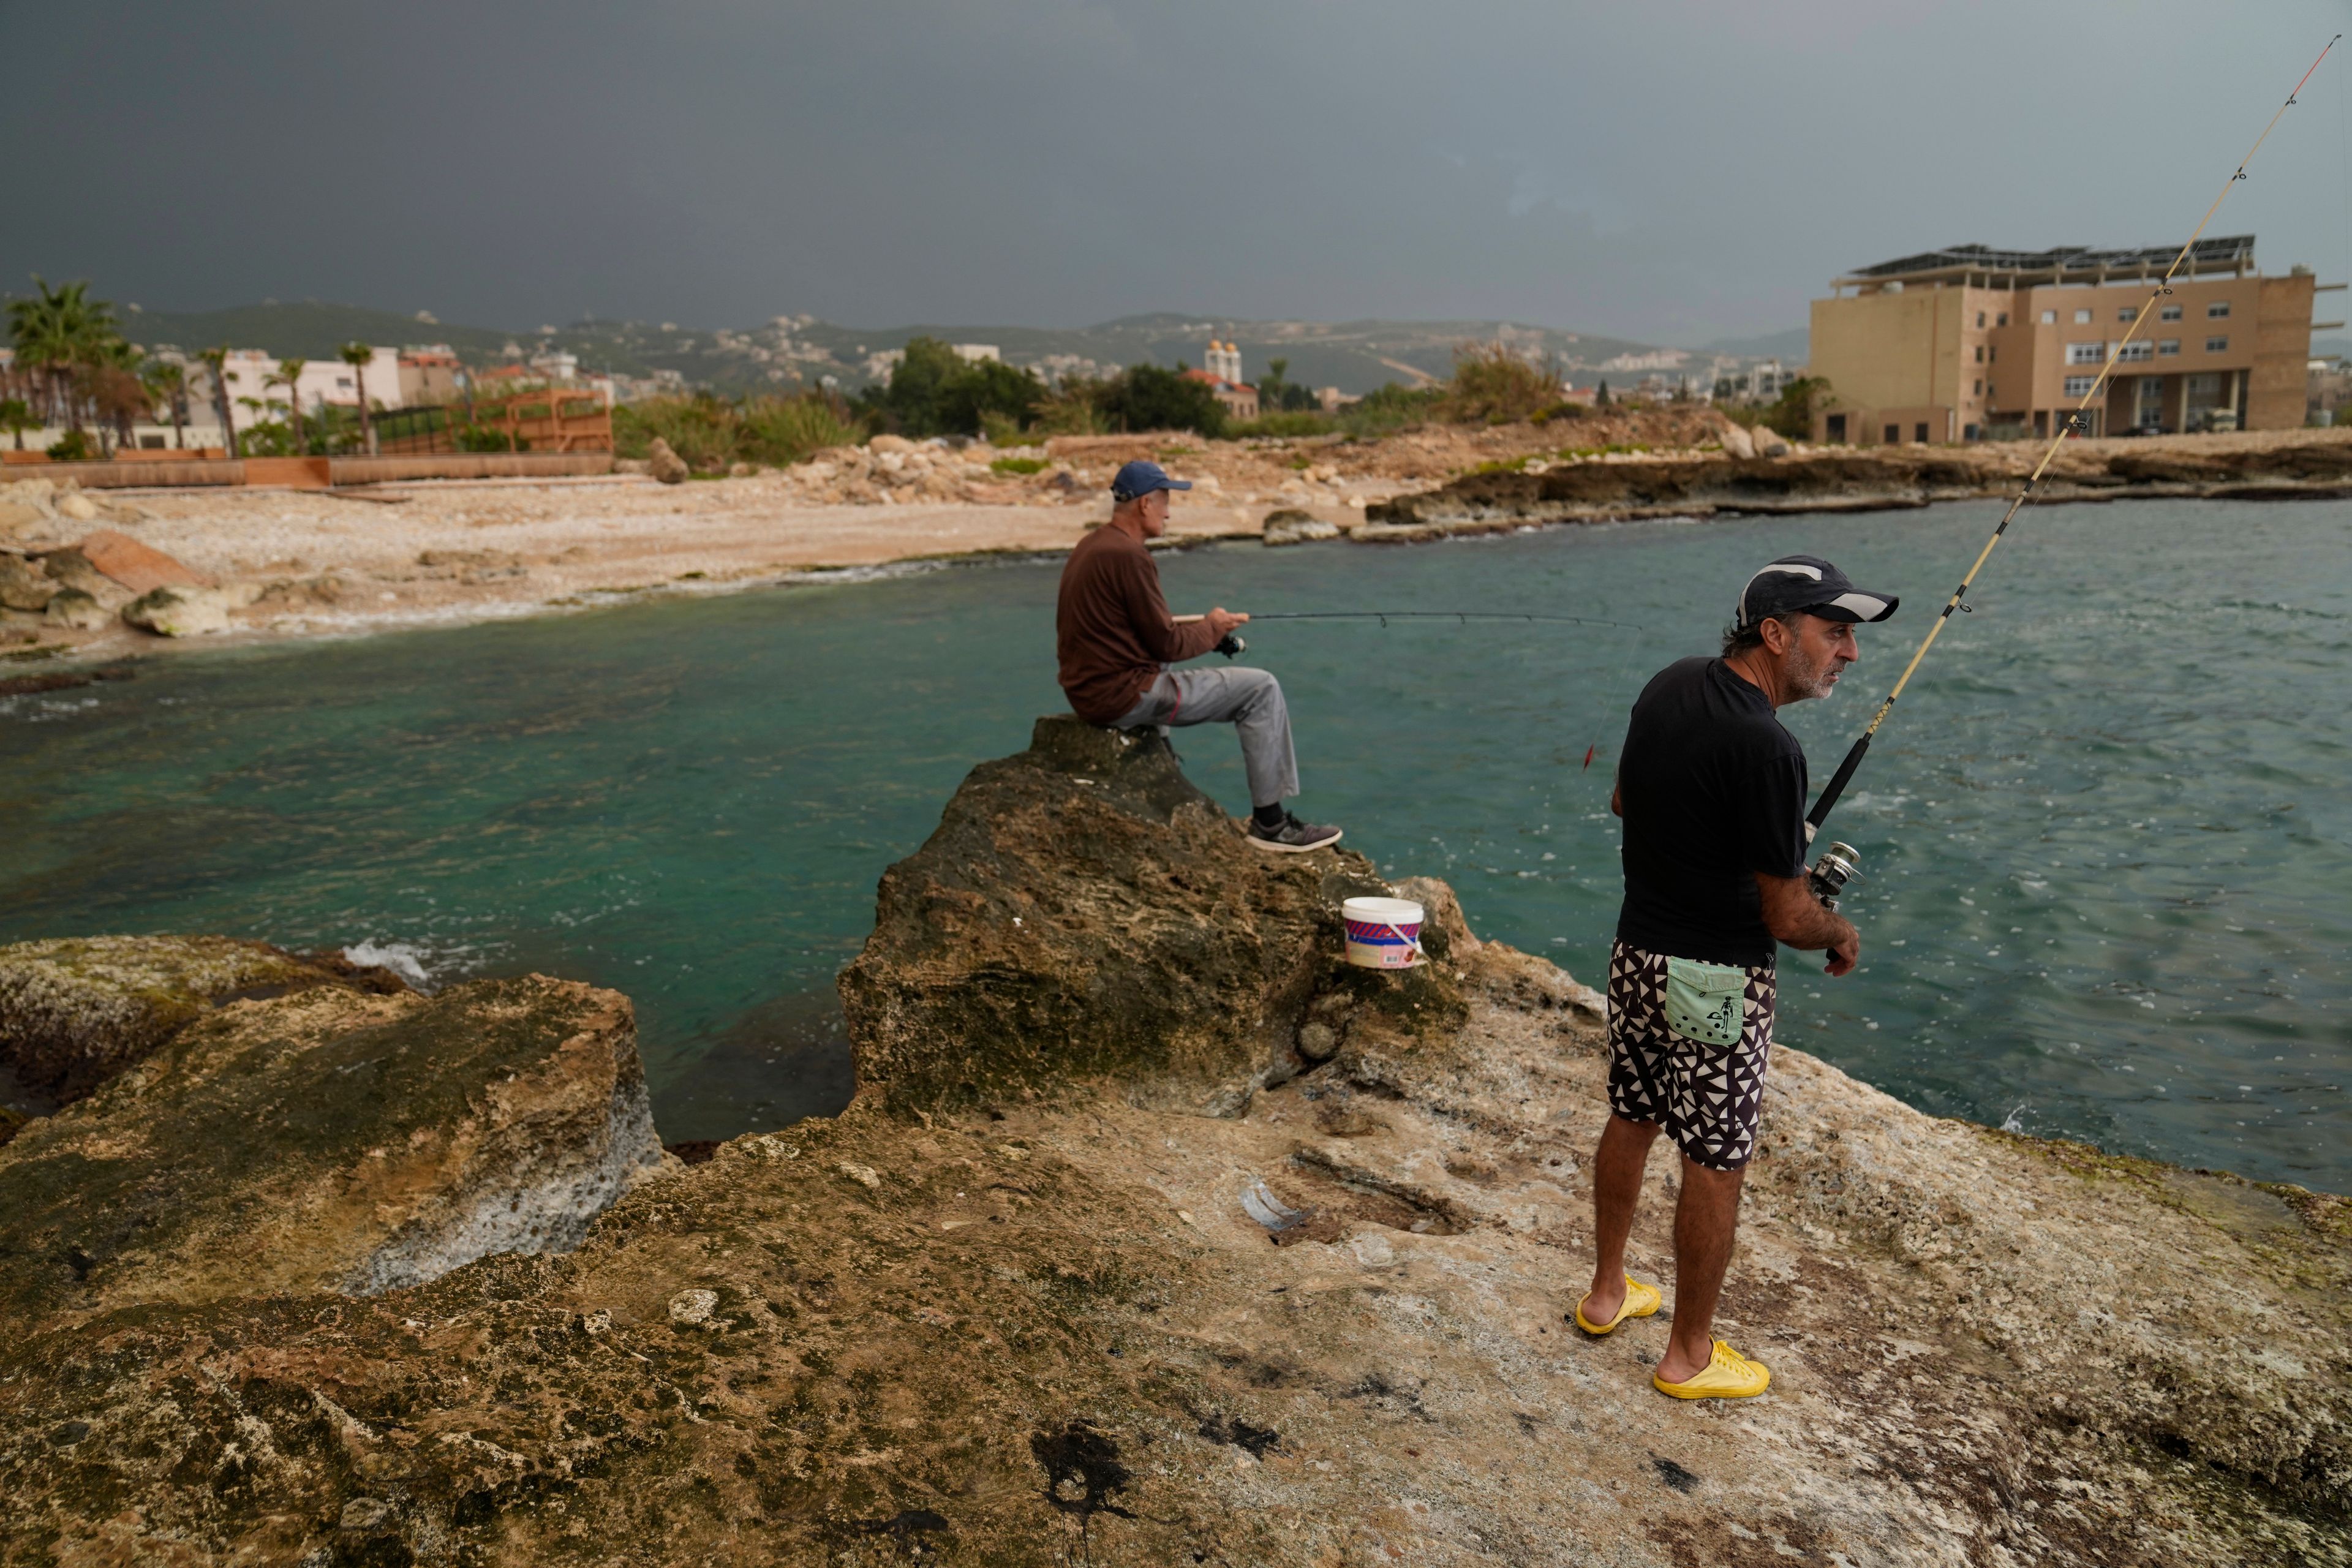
x: 289, y: 376
x: 1278, y: 393
x: 933, y: 391
x: 216, y: 361
x: 1600, y: 398
x: 167, y: 384
x: 358, y: 355
x: 1146, y: 398
x: 59, y: 331
x: 16, y: 418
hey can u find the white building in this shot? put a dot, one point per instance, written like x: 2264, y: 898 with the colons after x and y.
x: 250, y: 372
x: 1224, y: 360
x: 973, y: 353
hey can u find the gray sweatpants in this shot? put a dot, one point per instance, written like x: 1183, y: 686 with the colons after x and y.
x: 1249, y: 699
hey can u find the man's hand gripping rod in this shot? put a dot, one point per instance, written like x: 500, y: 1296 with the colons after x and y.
x: 1836, y: 865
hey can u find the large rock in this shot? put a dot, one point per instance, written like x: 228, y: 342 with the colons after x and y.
x: 139, y: 568
x: 1767, y: 442
x: 22, y: 585
x: 1291, y: 526
x: 181, y: 612
x: 330, y: 1140
x: 1736, y: 442
x: 1084, y: 912
x: 76, y: 1011
x: 75, y: 610
x: 664, y: 464
x: 72, y: 569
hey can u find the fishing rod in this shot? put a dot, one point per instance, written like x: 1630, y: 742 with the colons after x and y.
x: 1837, y: 863
x: 1232, y: 646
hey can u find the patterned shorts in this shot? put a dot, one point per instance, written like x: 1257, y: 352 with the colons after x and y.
x: 1707, y: 1097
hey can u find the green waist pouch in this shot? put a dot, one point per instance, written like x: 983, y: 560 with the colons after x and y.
x: 1706, y: 1002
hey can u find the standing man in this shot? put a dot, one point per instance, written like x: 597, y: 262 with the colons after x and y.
x: 1116, y: 641
x: 1712, y: 790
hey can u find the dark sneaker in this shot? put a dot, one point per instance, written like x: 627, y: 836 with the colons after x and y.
x: 1293, y: 837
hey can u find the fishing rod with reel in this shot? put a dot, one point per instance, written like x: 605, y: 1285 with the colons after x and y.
x: 1838, y: 862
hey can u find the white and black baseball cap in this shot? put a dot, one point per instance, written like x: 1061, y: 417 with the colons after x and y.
x: 1811, y: 584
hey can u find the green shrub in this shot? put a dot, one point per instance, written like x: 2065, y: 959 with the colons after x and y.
x: 712, y: 434
x: 1388, y: 409
x: 1493, y: 385
x: 1018, y: 466
x: 1293, y: 426
x: 486, y: 439
x: 784, y: 430
x: 1561, y: 410
x: 1147, y: 397
x: 73, y: 446
x: 934, y: 390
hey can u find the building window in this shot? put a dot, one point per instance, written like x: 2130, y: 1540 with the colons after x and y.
x: 2001, y: 319
x: 1979, y: 389
x: 1894, y: 434
x: 1980, y: 353
x: 2218, y: 310
x: 2128, y: 314
x: 1980, y: 318
x: 2169, y: 347
x: 2082, y: 317
x: 2217, y: 345
x: 1920, y: 431
x: 2132, y: 354
x: 2086, y: 353
x: 2049, y: 318
x: 1995, y: 354
x: 2080, y: 386
x: 2169, y: 313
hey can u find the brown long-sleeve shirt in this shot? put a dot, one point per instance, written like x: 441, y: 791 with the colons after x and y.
x: 1111, y: 628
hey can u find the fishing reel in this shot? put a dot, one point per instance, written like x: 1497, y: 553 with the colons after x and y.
x: 1838, y: 866
x: 1232, y: 646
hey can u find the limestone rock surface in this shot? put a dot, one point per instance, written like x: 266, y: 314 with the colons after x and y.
x: 77, y: 611
x: 1018, y: 1306
x: 1736, y: 441
x: 76, y: 1011
x: 1084, y: 912
x: 329, y: 1141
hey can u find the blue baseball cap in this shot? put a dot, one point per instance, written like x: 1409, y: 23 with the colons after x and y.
x: 1141, y: 477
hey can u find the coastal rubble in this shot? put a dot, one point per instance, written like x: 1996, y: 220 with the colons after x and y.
x: 1081, y: 1275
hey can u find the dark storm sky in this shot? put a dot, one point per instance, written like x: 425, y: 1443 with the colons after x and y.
x: 1670, y: 171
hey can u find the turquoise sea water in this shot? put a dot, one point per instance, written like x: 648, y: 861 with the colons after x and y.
x: 2107, y: 834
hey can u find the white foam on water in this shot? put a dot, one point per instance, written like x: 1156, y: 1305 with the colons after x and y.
x: 397, y: 956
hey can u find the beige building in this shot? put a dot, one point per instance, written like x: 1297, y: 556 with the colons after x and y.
x: 1970, y: 344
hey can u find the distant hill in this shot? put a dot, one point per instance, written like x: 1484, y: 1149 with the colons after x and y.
x: 1791, y: 347
x: 789, y: 352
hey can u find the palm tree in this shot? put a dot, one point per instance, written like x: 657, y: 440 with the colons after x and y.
x: 16, y: 416
x: 216, y: 359
x: 289, y: 373
x: 358, y: 355
x: 56, y: 332
x: 167, y: 383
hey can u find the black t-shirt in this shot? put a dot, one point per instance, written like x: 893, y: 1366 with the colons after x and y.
x: 1714, y: 791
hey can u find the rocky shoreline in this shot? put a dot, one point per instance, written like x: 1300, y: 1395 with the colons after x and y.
x: 1155, y: 1234
x: 84, y: 579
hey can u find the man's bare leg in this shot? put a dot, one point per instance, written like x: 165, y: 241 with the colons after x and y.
x: 1616, y: 1191
x: 1706, y: 1221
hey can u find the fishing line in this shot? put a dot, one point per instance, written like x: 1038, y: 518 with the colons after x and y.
x: 1231, y: 646
x: 1828, y: 877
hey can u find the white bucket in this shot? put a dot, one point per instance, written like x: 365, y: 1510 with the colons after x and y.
x: 1382, y: 934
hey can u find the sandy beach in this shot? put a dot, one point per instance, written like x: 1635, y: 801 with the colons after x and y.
x: 293, y: 563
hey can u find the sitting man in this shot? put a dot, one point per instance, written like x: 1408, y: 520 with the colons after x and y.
x: 1116, y: 641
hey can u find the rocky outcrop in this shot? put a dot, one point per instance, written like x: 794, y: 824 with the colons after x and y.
x: 1024, y: 1304
x: 1291, y: 526
x: 74, y: 1011
x: 330, y: 1140
x: 1083, y: 912
x: 175, y: 612
x: 1868, y: 480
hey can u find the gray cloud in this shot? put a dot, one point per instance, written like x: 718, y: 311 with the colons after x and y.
x: 1669, y: 171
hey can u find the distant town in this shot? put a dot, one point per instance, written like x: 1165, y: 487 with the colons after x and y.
x: 1951, y: 346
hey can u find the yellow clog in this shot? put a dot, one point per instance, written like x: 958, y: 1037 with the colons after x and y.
x: 1727, y: 1374
x: 1640, y: 1302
